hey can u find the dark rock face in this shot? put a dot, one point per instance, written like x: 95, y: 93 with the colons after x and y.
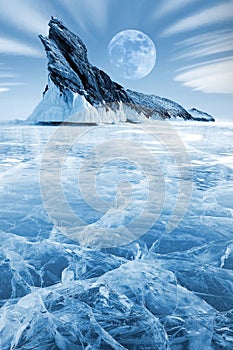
x: 69, y: 67
x: 200, y: 115
x: 157, y: 107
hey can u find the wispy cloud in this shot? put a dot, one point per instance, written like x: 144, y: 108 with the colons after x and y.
x: 168, y: 6
x: 214, y: 76
x: 75, y: 11
x: 88, y: 11
x: 206, y: 44
x: 15, y: 47
x: 4, y: 89
x: 11, y: 84
x: 98, y: 11
x: 24, y: 15
x: 6, y: 75
x: 206, y: 17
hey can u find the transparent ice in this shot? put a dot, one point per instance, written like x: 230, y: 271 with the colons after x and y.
x: 162, y: 291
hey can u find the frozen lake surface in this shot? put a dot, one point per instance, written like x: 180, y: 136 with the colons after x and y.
x: 116, y: 237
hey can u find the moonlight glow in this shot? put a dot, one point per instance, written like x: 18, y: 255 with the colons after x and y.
x: 132, y: 53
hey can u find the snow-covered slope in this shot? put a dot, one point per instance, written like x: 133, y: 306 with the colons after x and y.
x: 54, y: 106
x: 86, y: 94
x: 200, y: 115
x: 156, y: 107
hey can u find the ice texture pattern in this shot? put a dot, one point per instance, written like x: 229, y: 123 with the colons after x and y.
x: 162, y: 291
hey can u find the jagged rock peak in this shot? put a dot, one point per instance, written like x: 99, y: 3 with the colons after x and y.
x: 66, y: 40
x: 78, y: 90
x: 69, y: 67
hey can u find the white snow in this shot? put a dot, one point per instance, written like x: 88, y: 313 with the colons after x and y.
x: 54, y: 107
x: 72, y: 107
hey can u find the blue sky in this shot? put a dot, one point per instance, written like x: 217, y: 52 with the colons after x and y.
x: 194, y: 41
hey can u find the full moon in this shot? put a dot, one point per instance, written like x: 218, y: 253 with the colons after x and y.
x: 132, y: 53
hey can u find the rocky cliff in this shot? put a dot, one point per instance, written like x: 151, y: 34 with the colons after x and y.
x: 77, y: 91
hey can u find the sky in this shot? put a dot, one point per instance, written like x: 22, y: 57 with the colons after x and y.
x: 193, y: 38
